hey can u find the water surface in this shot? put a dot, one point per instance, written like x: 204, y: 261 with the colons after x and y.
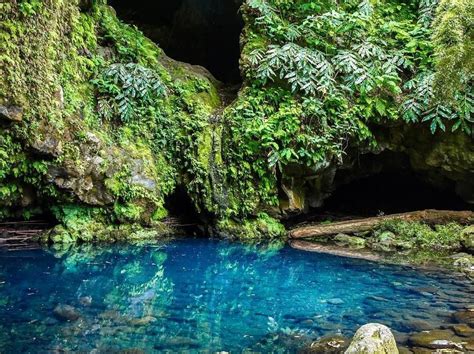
x: 199, y: 294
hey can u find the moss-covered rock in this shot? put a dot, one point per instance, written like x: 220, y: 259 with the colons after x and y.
x: 70, y: 140
x: 95, y: 115
x: 373, y: 338
x: 261, y: 227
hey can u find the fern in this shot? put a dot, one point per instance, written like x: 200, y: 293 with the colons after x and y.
x: 421, y: 104
x: 426, y: 12
x: 304, y: 69
x: 124, y: 88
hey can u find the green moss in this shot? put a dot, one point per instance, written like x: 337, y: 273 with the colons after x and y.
x: 86, y: 224
x: 423, y: 236
x: 53, y: 56
x: 261, y: 227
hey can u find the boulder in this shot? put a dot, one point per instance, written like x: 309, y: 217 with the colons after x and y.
x: 373, y: 338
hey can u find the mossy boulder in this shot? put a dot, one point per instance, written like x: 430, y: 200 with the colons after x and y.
x: 373, y: 338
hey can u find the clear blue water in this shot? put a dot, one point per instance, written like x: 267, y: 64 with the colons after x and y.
x: 200, y: 294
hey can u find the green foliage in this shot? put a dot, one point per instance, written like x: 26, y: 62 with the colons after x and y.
x: 422, y: 104
x: 453, y: 37
x: 261, y: 227
x: 131, y: 45
x: 373, y: 55
x: 126, y: 90
x: 29, y: 7
x: 271, y: 128
x: 439, y: 237
x: 78, y: 223
x: 318, y: 75
x: 76, y: 75
x: 19, y: 174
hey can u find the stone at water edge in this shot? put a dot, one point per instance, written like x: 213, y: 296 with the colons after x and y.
x: 467, y: 236
x: 373, y: 338
x: 436, y: 339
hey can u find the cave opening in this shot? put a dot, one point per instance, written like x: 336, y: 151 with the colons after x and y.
x: 200, y: 32
x: 380, y: 185
x: 182, y: 213
x: 389, y: 192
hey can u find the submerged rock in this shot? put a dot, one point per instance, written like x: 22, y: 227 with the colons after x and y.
x: 329, y: 345
x: 66, y: 313
x: 373, y: 338
x: 85, y: 300
x: 463, y: 330
x: 335, y: 301
x: 143, y: 321
x: 465, y: 316
x: 436, y: 339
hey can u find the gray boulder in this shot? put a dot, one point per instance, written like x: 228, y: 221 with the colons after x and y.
x: 373, y: 338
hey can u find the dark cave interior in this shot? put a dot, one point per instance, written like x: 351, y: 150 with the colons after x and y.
x: 201, y: 32
x: 182, y: 209
x: 386, y: 183
x: 382, y: 184
x: 391, y: 192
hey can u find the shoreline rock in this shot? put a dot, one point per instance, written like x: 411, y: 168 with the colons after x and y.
x: 373, y: 338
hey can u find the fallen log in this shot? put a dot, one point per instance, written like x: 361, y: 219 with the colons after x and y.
x: 335, y: 250
x: 429, y: 216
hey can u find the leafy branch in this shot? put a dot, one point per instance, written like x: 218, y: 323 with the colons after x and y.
x: 126, y: 88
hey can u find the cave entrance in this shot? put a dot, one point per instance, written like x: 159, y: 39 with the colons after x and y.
x: 202, y: 32
x: 391, y: 192
x: 183, y: 213
x: 382, y: 184
x: 385, y: 184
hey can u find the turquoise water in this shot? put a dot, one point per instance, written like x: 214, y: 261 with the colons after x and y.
x: 201, y: 294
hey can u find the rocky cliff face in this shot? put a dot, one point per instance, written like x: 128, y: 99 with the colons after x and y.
x: 84, y: 141
x: 98, y: 126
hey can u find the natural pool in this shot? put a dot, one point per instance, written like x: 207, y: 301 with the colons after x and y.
x: 199, y: 294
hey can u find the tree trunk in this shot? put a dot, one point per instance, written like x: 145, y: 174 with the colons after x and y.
x: 430, y: 216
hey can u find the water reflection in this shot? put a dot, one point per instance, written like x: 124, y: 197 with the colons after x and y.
x: 201, y: 294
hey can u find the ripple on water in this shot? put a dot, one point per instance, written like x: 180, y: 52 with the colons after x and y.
x: 202, y: 294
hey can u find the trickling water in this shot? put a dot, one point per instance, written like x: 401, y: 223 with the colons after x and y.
x: 203, y: 294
